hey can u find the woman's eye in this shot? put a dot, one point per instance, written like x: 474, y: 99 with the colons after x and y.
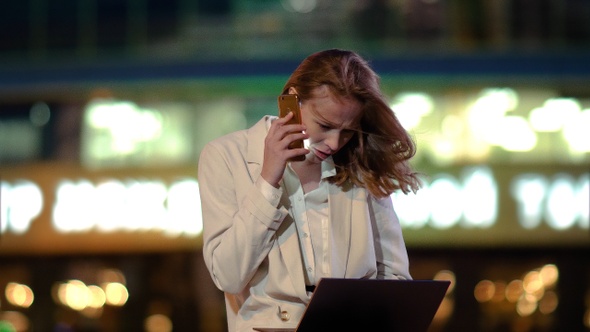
x: 326, y: 127
x: 349, y: 133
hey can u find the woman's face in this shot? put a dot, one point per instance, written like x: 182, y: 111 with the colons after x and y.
x: 331, y: 122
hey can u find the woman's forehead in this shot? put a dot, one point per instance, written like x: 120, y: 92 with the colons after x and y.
x: 340, y: 112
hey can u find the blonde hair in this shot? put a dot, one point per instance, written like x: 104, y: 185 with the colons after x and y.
x: 377, y: 158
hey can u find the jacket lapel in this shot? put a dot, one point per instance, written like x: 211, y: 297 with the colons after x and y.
x: 290, y: 251
x: 255, y: 153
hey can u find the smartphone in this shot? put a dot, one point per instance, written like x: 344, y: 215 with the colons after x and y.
x: 291, y: 103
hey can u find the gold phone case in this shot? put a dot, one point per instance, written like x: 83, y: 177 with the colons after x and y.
x: 290, y: 103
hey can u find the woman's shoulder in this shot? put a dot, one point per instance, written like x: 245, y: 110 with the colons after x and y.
x: 230, y: 138
x: 225, y: 146
x: 238, y: 140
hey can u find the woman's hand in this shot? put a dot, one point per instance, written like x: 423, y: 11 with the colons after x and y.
x: 276, y: 148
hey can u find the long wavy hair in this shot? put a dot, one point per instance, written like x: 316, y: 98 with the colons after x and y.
x: 377, y: 158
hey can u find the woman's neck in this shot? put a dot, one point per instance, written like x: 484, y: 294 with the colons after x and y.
x: 309, y: 174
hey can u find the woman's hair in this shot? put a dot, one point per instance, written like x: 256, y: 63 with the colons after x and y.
x: 378, y: 157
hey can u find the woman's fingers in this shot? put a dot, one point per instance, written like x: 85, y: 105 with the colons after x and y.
x: 285, y: 133
x: 276, y: 148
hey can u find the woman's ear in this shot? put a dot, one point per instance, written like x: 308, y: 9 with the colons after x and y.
x: 292, y: 91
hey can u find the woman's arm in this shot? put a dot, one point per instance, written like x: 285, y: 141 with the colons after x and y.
x: 239, y: 222
x: 390, y: 247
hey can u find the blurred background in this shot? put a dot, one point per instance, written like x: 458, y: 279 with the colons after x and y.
x: 106, y: 104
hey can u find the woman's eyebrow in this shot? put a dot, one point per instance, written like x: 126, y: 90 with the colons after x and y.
x: 355, y: 126
x: 331, y: 124
x: 322, y: 119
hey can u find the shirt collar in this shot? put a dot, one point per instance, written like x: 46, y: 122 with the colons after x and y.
x: 328, y: 168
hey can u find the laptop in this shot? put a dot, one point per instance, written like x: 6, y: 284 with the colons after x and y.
x: 371, y: 305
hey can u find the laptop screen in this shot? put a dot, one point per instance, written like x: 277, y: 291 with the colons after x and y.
x: 373, y: 305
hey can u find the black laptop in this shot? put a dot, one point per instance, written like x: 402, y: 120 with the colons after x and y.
x: 371, y: 305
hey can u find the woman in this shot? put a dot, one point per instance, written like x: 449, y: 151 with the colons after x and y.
x: 273, y: 228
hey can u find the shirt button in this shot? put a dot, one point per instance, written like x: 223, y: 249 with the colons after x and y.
x: 309, y: 269
x: 285, y: 316
x: 305, y: 235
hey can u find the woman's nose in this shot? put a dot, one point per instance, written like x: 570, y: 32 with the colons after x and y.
x: 334, y: 141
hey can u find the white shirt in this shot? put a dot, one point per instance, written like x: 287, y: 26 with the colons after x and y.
x: 311, y: 214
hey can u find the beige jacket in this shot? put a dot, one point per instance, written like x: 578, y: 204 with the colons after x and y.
x: 251, y: 247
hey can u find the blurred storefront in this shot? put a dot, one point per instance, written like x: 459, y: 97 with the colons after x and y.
x: 503, y: 211
x: 100, y: 134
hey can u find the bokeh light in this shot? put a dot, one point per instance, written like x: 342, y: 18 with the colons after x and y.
x: 158, y: 323
x: 116, y: 294
x: 19, y: 295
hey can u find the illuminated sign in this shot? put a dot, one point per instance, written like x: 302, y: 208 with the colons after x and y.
x: 132, y: 205
x: 472, y: 201
x: 446, y: 201
x: 61, y: 208
x: 20, y: 203
x: 561, y: 201
x: 110, y: 206
x: 160, y: 209
x: 149, y: 205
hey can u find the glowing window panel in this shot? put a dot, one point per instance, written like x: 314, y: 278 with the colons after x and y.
x: 583, y: 200
x: 576, y: 132
x: 20, y: 204
x: 529, y: 192
x: 481, y: 197
x: 410, y: 107
x: 184, y: 207
x: 562, y: 211
x: 447, y: 208
x: 299, y: 6
x: 411, y: 209
x: 514, y: 134
x: 554, y: 114
x: 118, y: 133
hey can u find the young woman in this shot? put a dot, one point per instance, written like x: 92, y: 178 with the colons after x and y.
x: 274, y: 228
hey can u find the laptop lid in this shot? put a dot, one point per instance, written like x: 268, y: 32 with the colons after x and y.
x: 373, y: 305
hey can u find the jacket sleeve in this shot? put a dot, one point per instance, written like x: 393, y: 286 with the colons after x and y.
x: 390, y: 247
x: 239, y: 224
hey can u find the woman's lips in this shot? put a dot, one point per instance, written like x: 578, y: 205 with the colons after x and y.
x: 321, y: 154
